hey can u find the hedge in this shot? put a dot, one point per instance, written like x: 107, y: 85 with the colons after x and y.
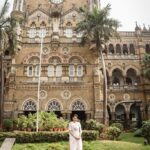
x: 40, y: 137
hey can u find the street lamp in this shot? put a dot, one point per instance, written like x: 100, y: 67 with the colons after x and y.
x: 41, y: 33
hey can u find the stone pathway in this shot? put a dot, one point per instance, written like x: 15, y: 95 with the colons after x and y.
x: 8, y: 144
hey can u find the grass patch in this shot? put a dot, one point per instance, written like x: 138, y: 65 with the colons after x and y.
x: 94, y: 145
x: 126, y: 142
x: 129, y: 137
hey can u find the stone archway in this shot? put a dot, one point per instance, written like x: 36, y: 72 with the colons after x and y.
x: 78, y: 108
x: 120, y: 113
x: 54, y: 106
x: 135, y: 114
x: 29, y: 106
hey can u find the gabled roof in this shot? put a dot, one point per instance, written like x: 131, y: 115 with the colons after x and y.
x: 39, y: 9
x: 70, y: 10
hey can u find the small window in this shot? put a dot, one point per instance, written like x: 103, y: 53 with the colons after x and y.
x: 58, y: 71
x: 79, y: 70
x: 69, y: 32
x: 51, y: 71
x: 71, y: 70
x: 37, y: 70
x: 30, y: 71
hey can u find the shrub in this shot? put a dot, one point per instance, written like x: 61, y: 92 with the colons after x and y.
x: 138, y: 133
x: 91, y: 124
x: 146, y: 130
x: 37, y: 137
x: 47, y: 121
x: 118, y: 125
x: 8, y: 124
x: 94, y: 125
x: 113, y: 132
x: 90, y: 135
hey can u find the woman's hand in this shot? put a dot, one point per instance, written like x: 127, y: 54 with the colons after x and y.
x: 77, y: 138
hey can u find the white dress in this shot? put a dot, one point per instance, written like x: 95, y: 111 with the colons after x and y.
x: 75, y: 128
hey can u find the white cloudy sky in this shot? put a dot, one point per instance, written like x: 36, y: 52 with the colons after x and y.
x: 127, y: 12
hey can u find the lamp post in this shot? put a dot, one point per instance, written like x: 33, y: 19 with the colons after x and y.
x: 41, y: 33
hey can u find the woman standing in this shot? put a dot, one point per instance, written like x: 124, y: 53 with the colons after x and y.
x: 75, y: 132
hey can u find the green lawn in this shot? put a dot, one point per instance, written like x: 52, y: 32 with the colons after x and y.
x: 126, y: 142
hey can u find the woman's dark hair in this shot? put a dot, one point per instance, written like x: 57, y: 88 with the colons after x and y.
x: 75, y: 115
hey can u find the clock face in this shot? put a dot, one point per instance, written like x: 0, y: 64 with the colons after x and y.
x: 56, y: 1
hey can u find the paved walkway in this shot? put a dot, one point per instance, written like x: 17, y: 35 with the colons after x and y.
x: 8, y: 144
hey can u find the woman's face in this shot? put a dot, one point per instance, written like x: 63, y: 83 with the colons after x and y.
x: 75, y: 119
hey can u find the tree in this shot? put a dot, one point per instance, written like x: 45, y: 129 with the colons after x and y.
x: 98, y: 28
x: 7, y: 41
x: 146, y: 65
x: 7, y: 38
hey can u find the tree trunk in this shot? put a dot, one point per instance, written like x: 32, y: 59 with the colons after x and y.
x: 1, y: 90
x: 105, y: 121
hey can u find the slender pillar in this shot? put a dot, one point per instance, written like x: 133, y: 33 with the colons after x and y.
x: 21, y: 5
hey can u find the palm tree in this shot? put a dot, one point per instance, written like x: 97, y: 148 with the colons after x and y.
x: 146, y: 65
x: 98, y: 28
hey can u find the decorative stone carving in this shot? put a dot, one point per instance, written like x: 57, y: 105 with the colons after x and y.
x: 66, y: 94
x: 126, y: 97
x: 112, y: 98
x: 65, y: 50
x: 45, y: 51
x: 43, y: 94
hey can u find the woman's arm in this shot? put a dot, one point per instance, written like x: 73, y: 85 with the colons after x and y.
x: 80, y: 129
x: 70, y: 131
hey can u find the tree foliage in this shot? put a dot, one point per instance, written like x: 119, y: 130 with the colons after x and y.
x: 146, y: 65
x: 7, y: 35
x: 97, y: 28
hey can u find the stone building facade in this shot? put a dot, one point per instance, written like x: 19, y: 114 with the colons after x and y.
x: 71, y: 80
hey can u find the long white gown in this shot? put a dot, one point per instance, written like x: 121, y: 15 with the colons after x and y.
x: 75, y: 128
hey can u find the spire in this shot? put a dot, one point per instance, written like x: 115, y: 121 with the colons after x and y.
x: 144, y: 28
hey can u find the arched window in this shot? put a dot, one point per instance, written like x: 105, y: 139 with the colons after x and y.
x: 30, y: 71
x: 125, y: 49
x: 37, y: 70
x: 55, y: 69
x: 69, y: 31
x: 79, y: 70
x: 111, y: 49
x: 131, y: 77
x: 118, y: 49
x: 71, y: 70
x: 132, y: 49
x: 78, y: 106
x: 117, y: 77
x: 120, y: 112
x: 75, y: 67
x: 147, y: 48
x: 51, y: 71
x: 29, y: 106
x: 54, y: 106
